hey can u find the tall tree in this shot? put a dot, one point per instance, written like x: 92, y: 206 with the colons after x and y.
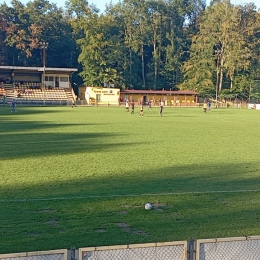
x: 34, y: 22
x: 3, y: 47
x: 220, y: 47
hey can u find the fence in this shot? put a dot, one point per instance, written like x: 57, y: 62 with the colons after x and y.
x: 152, y: 251
x: 61, y: 254
x: 235, y: 248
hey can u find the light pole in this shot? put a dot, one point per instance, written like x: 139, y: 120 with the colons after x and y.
x: 218, y: 53
x: 44, y: 47
x: 77, y: 88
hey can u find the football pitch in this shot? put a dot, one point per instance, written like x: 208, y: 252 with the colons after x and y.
x: 81, y: 177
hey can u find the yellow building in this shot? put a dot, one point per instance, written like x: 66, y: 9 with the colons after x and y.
x: 99, y: 95
x: 169, y: 97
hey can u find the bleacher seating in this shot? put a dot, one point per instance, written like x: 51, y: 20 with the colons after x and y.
x: 37, y: 94
x: 33, y: 92
x: 2, y: 92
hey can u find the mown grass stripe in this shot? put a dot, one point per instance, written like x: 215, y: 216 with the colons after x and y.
x: 127, y: 195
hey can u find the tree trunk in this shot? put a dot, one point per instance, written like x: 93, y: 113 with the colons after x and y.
x: 155, y: 59
x: 221, y: 74
x: 130, y: 67
x: 143, y: 66
x: 231, y: 82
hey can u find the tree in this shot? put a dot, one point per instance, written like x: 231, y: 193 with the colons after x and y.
x: 34, y: 22
x: 220, y: 48
x: 3, y: 48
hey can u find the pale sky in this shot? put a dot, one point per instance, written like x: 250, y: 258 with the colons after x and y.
x: 102, y: 3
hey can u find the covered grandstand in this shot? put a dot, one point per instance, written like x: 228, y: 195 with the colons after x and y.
x: 37, y: 85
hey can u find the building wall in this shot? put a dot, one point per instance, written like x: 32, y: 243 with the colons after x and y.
x: 101, y: 95
x: 61, y: 80
x: 57, y: 80
x: 82, y: 92
x: 170, y: 100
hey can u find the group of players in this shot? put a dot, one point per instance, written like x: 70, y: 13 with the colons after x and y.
x: 141, y: 107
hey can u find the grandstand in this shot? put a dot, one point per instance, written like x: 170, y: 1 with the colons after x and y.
x: 28, y: 85
x: 2, y: 92
x: 36, y: 95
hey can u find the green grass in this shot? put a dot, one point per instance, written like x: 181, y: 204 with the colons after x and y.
x: 81, y: 177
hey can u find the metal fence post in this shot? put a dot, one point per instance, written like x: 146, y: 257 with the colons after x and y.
x: 192, y: 249
x: 73, y: 249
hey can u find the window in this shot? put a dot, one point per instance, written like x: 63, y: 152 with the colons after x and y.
x: 64, y: 79
x: 48, y: 78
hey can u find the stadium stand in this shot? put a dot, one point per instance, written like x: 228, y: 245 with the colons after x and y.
x: 2, y: 92
x: 27, y: 93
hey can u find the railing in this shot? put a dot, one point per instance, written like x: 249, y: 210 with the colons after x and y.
x: 61, y: 254
x: 151, y: 251
x: 234, y: 248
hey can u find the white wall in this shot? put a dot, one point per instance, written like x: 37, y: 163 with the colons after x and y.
x: 61, y: 82
x: 106, y: 95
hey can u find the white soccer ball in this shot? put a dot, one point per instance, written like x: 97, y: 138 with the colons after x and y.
x: 148, y: 206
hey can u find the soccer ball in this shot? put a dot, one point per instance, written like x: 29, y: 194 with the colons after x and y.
x: 148, y: 206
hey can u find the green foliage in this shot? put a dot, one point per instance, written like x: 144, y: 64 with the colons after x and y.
x: 224, y: 47
x: 32, y: 23
x: 140, y: 44
x: 255, y: 92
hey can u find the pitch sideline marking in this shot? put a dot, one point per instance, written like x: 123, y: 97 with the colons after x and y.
x: 126, y: 195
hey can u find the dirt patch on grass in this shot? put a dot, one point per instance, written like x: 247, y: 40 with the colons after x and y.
x: 139, y: 232
x: 52, y: 223
x: 101, y: 230
x: 158, y: 205
x: 122, y: 225
x: 161, y: 207
x: 131, y: 206
x: 125, y: 227
x: 46, y: 211
x: 32, y: 234
x: 124, y: 212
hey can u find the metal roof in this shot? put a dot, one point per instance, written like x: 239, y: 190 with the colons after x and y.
x: 37, y: 68
x: 166, y: 92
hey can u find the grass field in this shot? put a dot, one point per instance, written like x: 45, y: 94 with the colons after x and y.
x: 81, y: 177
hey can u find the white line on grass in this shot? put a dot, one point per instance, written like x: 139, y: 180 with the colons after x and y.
x: 127, y: 195
x: 226, y: 121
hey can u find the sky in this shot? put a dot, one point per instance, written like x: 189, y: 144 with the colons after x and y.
x: 101, y: 4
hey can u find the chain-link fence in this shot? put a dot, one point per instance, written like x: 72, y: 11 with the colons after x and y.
x: 152, y: 251
x: 237, y: 248
x: 39, y: 255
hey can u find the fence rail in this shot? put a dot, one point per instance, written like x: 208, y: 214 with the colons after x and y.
x: 151, y: 251
x: 234, y: 248
x: 61, y: 254
x: 237, y: 248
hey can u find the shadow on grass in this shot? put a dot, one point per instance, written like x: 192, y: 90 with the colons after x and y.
x: 25, y: 139
x: 44, y: 144
x: 5, y: 111
x: 64, y: 213
x: 224, y: 178
x: 23, y: 126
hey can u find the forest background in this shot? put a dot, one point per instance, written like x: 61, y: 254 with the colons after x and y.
x: 140, y: 44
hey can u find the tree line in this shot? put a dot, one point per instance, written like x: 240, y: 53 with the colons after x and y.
x: 140, y: 44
